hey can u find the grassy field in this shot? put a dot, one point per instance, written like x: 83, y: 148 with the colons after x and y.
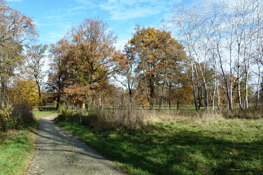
x: 17, y: 146
x: 183, y: 145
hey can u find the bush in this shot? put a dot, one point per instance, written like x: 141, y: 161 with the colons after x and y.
x: 250, y: 113
x: 64, y: 113
x: 5, y: 120
x: 17, y: 116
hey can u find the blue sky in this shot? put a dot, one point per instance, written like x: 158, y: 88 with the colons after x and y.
x: 55, y: 17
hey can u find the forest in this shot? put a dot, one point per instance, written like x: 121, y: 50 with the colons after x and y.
x: 204, y: 61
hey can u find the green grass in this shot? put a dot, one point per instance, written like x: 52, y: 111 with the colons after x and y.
x: 41, y: 114
x: 183, y: 146
x: 15, y: 149
x: 17, y: 146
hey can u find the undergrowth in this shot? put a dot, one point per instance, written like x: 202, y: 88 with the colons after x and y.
x: 17, y: 116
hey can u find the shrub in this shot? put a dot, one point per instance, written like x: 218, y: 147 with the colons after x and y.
x: 64, y: 113
x: 16, y: 116
x: 5, y: 119
x: 250, y: 113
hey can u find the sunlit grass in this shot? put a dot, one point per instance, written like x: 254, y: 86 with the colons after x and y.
x: 17, y: 146
x: 41, y: 114
x: 15, y: 149
x: 183, y: 145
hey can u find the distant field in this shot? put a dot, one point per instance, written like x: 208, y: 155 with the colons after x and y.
x: 41, y: 114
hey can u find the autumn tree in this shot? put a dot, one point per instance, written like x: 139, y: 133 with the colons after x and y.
x: 25, y: 89
x: 15, y: 30
x: 58, y: 73
x: 91, y: 45
x: 11, y: 58
x: 178, y: 90
x: 124, y: 65
x: 159, y: 54
x: 35, y: 60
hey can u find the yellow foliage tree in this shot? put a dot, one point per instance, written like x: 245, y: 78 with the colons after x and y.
x: 25, y: 89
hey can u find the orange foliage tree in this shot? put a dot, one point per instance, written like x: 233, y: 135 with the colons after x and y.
x: 86, y: 59
x: 159, y: 56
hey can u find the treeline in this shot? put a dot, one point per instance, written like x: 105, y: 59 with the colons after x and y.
x: 213, y: 58
x: 218, y: 60
x: 225, y: 37
x: 85, y: 59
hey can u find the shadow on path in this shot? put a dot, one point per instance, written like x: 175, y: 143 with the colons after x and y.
x: 60, y: 153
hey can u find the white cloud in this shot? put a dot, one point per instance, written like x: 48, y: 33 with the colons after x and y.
x: 125, y: 10
x: 120, y: 44
x: 89, y: 3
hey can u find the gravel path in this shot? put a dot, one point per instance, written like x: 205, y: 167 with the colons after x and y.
x: 60, y: 153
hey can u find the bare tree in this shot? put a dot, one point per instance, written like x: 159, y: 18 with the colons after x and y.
x: 195, y: 25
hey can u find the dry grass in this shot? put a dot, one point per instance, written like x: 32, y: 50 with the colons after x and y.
x: 125, y: 119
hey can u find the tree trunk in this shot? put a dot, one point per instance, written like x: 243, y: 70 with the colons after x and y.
x: 258, y: 53
x: 100, y: 102
x: 58, y: 101
x: 231, y: 79
x: 215, y: 80
x: 238, y: 77
x: 218, y: 97
x: 225, y: 79
x: 204, y: 83
x: 130, y: 98
x: 213, y: 96
x: 39, y: 94
x: 2, y: 93
x: 178, y: 105
x: 193, y: 85
x: 170, y: 98
x: 151, y: 84
x: 161, y: 98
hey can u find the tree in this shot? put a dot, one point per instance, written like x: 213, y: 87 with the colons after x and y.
x: 229, y: 33
x: 15, y: 26
x: 91, y: 46
x: 15, y: 30
x: 125, y: 65
x: 179, y: 91
x: 159, y: 54
x: 35, y: 60
x: 25, y: 89
x: 195, y: 24
x: 11, y: 58
x: 58, y: 74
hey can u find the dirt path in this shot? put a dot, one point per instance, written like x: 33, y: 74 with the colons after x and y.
x: 60, y: 153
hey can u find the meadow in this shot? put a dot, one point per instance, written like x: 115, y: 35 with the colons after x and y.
x: 172, y: 142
